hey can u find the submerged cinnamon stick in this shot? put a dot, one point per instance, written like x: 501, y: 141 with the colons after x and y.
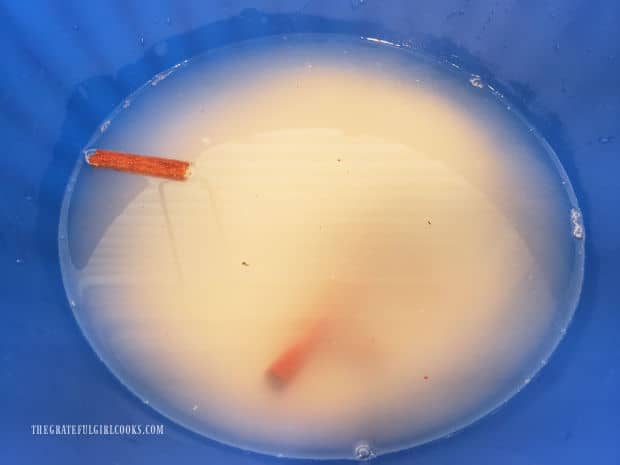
x: 336, y: 298
x: 177, y: 170
x: 289, y: 362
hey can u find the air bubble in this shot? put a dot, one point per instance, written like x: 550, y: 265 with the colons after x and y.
x: 476, y: 81
x: 576, y: 221
x: 19, y: 260
x: 194, y: 408
x: 104, y: 126
x: 72, y: 303
x: 363, y: 451
x: 605, y: 139
x: 168, y: 21
x: 126, y: 103
x: 495, y: 92
x: 141, y: 41
x: 161, y: 76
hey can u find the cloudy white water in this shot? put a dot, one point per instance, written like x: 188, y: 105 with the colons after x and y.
x: 405, y: 211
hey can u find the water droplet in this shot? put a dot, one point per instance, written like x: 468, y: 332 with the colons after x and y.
x: 104, y: 126
x: 19, y: 260
x: 605, y: 139
x: 357, y: 3
x: 126, y: 103
x: 141, y: 41
x: 28, y: 198
x: 72, y: 303
x: 194, y: 408
x: 476, y: 81
x: 527, y: 380
x: 363, y: 451
x: 76, y: 27
x: 145, y: 401
x: 168, y: 21
x: 576, y: 221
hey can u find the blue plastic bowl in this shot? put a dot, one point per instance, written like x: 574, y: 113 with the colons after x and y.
x: 66, y: 66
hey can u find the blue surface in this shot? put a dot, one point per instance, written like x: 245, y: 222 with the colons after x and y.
x: 65, y: 65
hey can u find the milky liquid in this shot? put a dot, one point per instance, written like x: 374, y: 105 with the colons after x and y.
x: 336, y: 182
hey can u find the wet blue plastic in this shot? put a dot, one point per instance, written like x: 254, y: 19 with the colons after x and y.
x: 66, y: 66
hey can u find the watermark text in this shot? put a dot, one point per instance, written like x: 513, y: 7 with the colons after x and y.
x: 96, y: 430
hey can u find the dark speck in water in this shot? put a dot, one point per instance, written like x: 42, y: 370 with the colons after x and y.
x: 245, y: 263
